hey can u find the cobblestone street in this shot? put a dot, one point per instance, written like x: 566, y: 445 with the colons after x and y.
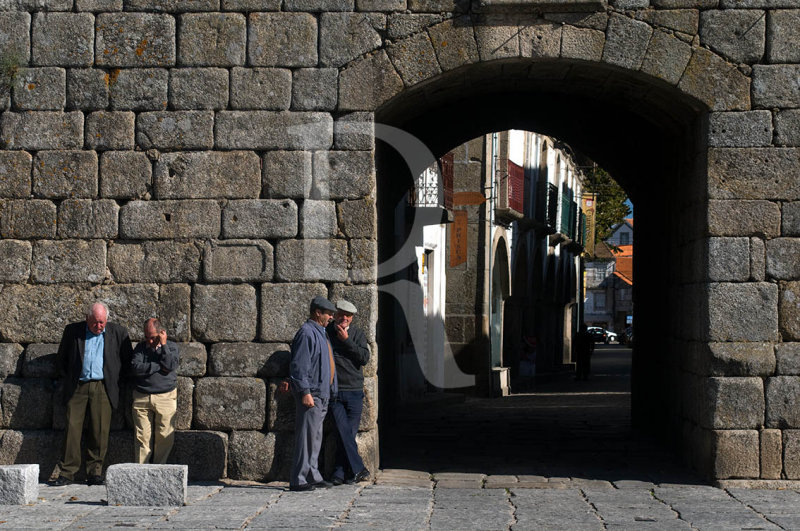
x: 575, y: 464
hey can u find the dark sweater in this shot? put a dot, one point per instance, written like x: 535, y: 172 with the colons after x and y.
x: 155, y: 371
x: 350, y: 355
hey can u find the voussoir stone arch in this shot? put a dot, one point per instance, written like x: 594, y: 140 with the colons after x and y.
x: 633, y: 46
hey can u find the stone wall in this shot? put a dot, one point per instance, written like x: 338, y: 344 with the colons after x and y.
x: 212, y: 162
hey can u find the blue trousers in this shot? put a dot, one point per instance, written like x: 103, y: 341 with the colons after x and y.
x: 346, y: 408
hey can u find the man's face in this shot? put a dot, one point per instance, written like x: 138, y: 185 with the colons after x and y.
x: 97, y: 320
x: 151, y: 336
x: 322, y: 316
x: 343, y: 318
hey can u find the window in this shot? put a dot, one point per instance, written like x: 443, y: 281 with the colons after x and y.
x: 624, y: 238
x: 599, y: 301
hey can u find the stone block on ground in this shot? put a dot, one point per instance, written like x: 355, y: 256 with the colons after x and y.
x: 19, y: 484
x: 147, y: 485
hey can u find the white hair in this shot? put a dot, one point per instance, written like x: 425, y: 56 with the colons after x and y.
x: 92, y: 306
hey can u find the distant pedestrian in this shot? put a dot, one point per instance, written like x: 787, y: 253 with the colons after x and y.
x: 155, y: 397
x: 93, y: 356
x: 351, y: 353
x: 312, y: 373
x: 584, y: 347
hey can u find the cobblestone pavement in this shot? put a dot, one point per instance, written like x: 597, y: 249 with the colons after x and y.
x: 559, y: 457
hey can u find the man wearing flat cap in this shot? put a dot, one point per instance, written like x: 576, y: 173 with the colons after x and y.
x: 312, y: 375
x: 351, y: 353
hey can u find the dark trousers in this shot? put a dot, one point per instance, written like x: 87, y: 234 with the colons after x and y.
x: 307, y: 441
x: 346, y: 410
x: 91, y: 395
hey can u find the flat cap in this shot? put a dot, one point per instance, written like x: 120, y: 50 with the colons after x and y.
x: 346, y: 306
x: 322, y: 303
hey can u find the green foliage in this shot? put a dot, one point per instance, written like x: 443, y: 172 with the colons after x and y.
x: 611, y: 207
x: 10, y: 65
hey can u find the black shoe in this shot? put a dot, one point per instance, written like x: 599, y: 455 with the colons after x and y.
x: 361, y: 476
x: 301, y: 488
x: 94, y: 480
x: 337, y: 481
x: 60, y: 481
x: 322, y: 484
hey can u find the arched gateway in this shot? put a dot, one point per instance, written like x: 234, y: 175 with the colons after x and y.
x: 214, y: 163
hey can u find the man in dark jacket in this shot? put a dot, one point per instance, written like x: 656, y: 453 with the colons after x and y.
x: 155, y: 397
x: 93, y: 355
x: 312, y: 374
x: 351, y: 353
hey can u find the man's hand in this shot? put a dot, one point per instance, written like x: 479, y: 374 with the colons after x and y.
x: 283, y: 387
x: 308, y: 401
x: 341, y: 331
x: 162, y: 338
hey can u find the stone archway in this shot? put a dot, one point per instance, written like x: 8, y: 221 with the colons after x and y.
x: 639, y: 101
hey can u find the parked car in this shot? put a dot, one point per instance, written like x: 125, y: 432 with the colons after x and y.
x: 611, y: 337
x: 598, y: 334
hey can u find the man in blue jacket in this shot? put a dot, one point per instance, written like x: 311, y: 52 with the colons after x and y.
x: 155, y: 397
x: 312, y: 373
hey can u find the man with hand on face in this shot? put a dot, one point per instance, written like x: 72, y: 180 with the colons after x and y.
x: 351, y: 353
x: 92, y: 356
x: 155, y: 397
x: 312, y: 373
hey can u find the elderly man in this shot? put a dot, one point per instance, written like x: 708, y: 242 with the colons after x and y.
x: 155, y: 397
x: 312, y: 374
x: 92, y: 355
x: 351, y: 353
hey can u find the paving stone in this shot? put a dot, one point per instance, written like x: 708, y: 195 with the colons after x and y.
x: 212, y: 39
x: 171, y: 130
x: 224, y: 312
x: 207, y: 175
x: 268, y: 130
x: 23, y: 219
x: 135, y: 40
x: 198, y: 88
x: 264, y: 218
x: 230, y: 403
x: 282, y: 39
x: 154, y: 261
x: 42, y: 130
x: 139, y: 89
x: 346, y: 36
x: 125, y: 175
x: 277, y: 165
x: 68, y: 261
x: 110, y: 130
x: 158, y: 485
x: 86, y: 218
x: 63, y: 39
x: 238, y: 261
x: 170, y: 219
x: 60, y: 174
x: 15, y: 174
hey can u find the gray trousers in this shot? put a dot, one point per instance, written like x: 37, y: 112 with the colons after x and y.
x: 307, y: 441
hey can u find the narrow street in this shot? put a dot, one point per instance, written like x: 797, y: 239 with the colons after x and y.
x: 560, y: 428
